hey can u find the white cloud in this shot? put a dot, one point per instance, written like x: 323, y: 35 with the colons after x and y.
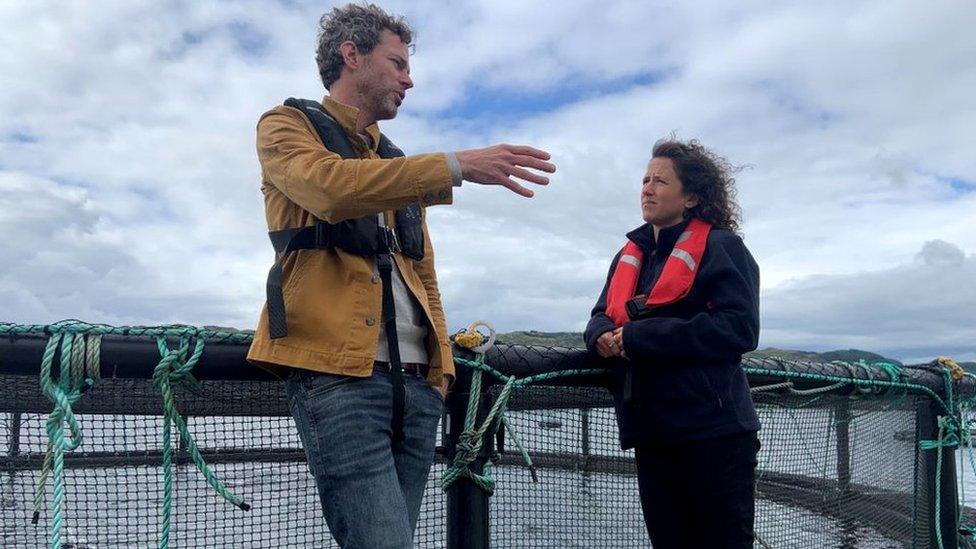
x: 128, y: 169
x: 916, y: 310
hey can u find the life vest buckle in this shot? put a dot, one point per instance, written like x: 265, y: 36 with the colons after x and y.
x: 322, y: 236
x: 389, y: 239
x: 637, y: 307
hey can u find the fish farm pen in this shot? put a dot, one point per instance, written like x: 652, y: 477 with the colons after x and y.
x: 167, y: 437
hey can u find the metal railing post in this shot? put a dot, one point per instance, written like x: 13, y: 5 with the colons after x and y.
x: 14, y: 447
x: 585, y: 431
x: 942, y: 511
x: 467, y: 505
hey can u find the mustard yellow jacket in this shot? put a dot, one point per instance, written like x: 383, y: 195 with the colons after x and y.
x: 332, y: 299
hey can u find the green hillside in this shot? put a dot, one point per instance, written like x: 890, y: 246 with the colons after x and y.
x: 807, y: 356
x: 845, y: 355
x: 548, y: 339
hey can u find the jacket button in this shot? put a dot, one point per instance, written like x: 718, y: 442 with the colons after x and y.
x: 428, y: 198
x: 442, y: 195
x: 370, y: 321
x: 375, y: 279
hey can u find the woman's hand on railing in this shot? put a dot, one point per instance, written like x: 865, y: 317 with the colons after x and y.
x: 609, y: 343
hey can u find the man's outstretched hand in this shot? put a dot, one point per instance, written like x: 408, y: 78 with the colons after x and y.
x: 498, y: 164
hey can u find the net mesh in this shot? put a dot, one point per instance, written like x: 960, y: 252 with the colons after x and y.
x: 837, y: 469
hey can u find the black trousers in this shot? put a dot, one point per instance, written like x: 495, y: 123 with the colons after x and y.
x: 699, y: 494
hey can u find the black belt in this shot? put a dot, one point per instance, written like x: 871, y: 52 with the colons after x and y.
x: 417, y: 368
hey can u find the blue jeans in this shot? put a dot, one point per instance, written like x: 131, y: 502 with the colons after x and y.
x: 370, y: 492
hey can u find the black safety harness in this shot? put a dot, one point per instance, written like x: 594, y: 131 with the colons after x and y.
x: 363, y: 236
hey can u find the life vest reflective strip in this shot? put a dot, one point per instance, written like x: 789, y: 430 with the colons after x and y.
x: 676, y: 278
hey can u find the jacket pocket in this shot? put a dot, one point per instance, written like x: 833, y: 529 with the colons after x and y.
x: 709, y: 388
x: 297, y: 271
x: 684, y: 386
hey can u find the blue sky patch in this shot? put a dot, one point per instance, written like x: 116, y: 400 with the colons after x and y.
x: 249, y: 40
x: 246, y: 38
x: 782, y: 95
x: 23, y: 137
x: 495, y: 105
x: 961, y: 186
x: 72, y: 182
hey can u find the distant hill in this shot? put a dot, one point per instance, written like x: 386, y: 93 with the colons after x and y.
x: 548, y: 339
x: 807, y: 356
x: 575, y: 340
x: 846, y: 355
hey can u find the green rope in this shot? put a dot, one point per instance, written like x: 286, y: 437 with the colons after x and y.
x: 79, y: 327
x: 951, y: 434
x: 771, y: 387
x: 938, y: 485
x: 63, y: 394
x: 893, y: 370
x: 947, y: 437
x: 41, y: 483
x: 470, y: 440
x: 873, y: 383
x: 80, y: 348
x: 965, y: 411
x: 521, y: 448
x: 83, y: 363
x: 948, y: 423
x: 174, y: 367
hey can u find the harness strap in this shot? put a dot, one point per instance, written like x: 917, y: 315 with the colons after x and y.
x: 329, y: 130
x: 384, y: 263
x: 284, y: 242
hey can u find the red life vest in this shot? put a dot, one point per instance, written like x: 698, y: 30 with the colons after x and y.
x: 676, y: 277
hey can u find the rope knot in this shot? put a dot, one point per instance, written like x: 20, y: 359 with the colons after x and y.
x: 174, y: 366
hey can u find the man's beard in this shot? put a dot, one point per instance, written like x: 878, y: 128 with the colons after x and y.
x: 385, y: 105
x: 379, y: 99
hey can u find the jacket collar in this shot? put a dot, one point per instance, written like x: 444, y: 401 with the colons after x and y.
x: 346, y: 116
x: 643, y: 236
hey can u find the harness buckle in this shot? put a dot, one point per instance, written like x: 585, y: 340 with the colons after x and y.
x: 321, y: 235
x: 637, y: 307
x: 389, y: 239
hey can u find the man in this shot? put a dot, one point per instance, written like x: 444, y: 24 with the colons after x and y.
x: 354, y: 313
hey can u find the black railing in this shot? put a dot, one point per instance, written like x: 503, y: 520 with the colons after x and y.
x: 915, y: 503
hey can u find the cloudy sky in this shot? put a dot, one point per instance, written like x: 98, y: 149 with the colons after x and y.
x: 129, y: 187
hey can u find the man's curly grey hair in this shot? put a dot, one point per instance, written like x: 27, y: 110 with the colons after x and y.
x: 360, y: 24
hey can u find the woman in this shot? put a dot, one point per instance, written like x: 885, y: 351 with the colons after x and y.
x: 680, y: 307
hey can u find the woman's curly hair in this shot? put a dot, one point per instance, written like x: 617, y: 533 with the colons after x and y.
x: 707, y: 176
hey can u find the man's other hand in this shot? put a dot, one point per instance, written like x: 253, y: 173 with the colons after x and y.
x: 445, y: 383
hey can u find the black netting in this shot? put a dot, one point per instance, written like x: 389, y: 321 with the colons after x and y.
x: 587, y: 490
x: 838, y: 468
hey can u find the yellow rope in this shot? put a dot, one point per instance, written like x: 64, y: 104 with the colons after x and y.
x: 955, y: 370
